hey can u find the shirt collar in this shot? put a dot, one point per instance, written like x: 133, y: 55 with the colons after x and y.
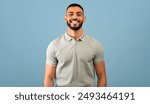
x: 69, y: 38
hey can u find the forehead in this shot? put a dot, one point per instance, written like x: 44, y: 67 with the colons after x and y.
x: 74, y: 9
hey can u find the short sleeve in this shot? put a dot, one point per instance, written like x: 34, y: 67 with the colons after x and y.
x: 50, y: 55
x: 99, y: 53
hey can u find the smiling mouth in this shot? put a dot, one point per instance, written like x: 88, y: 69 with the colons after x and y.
x: 74, y: 24
x: 74, y: 21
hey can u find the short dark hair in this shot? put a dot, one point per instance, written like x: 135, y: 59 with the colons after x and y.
x: 75, y: 5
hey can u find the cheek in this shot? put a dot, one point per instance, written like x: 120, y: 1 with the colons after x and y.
x: 69, y: 19
x: 81, y: 19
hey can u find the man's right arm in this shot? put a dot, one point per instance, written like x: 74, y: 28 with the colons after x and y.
x: 49, y: 75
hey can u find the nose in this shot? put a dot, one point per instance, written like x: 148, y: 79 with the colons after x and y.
x: 74, y: 16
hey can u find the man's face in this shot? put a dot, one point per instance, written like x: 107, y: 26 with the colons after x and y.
x: 74, y: 18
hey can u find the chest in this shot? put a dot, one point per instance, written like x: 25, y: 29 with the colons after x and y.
x: 78, y: 51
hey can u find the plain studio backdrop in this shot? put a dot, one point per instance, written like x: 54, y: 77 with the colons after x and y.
x: 28, y: 26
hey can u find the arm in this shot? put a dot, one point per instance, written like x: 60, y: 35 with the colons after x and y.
x: 101, y: 74
x: 49, y: 75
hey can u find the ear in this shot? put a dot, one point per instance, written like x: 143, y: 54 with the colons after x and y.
x: 65, y: 18
x: 84, y: 18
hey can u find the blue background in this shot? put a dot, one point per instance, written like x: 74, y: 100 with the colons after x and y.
x: 28, y: 26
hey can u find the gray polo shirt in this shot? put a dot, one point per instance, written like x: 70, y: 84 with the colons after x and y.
x: 74, y: 60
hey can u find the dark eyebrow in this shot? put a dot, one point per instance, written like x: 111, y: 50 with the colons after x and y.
x: 70, y: 12
x: 76, y: 12
x: 79, y: 12
x: 73, y: 12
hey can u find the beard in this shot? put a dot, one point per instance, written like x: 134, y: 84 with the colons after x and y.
x: 75, y: 26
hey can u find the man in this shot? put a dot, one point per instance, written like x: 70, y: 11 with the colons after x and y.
x: 73, y: 58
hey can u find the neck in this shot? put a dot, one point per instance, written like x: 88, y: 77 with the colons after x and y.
x: 75, y: 34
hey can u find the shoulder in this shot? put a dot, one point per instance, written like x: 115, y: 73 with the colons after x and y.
x: 93, y: 41
x: 56, y: 41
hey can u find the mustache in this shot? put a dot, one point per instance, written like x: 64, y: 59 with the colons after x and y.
x: 74, y: 20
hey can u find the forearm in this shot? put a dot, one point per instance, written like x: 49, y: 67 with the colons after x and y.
x: 48, y: 82
x: 102, y: 82
x: 49, y: 75
x: 101, y: 74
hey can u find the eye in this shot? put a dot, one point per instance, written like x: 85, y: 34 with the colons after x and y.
x: 79, y: 14
x: 70, y: 14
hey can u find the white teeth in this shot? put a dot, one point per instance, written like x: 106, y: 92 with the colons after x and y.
x: 74, y: 22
